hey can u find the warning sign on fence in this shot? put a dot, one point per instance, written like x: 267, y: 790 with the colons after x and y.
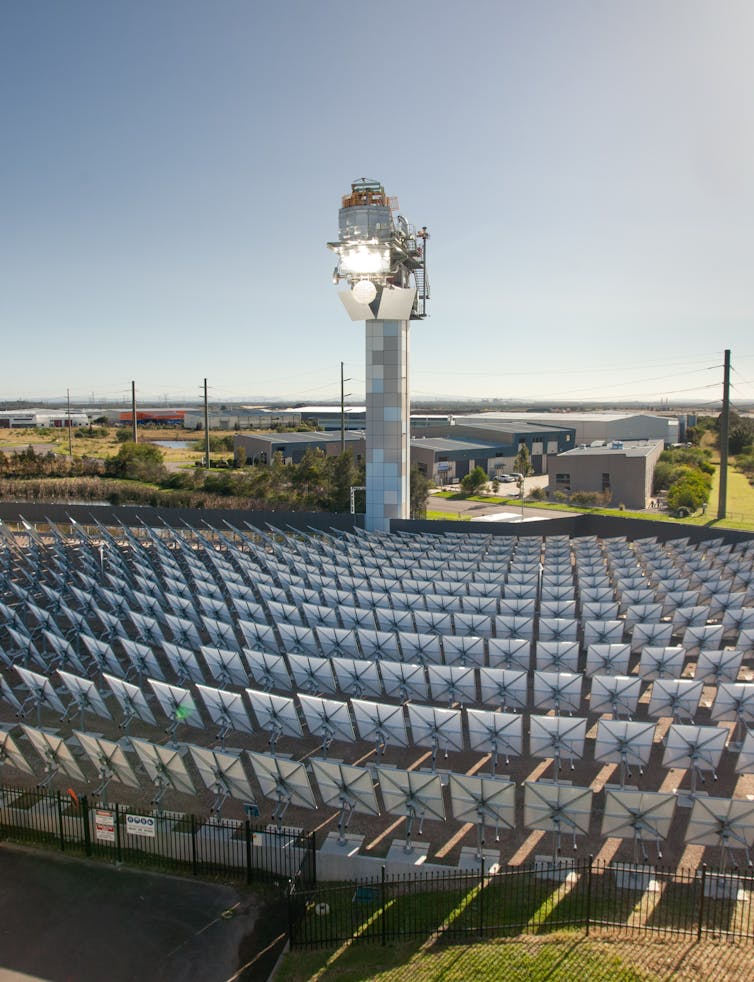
x: 140, y: 825
x: 104, y: 826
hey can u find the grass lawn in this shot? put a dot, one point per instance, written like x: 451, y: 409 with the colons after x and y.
x: 526, y: 960
x: 739, y: 510
x: 560, y: 957
x: 740, y: 503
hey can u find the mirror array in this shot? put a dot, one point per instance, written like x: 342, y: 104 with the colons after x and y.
x: 610, y: 680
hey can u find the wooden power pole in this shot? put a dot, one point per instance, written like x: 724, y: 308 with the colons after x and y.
x: 722, y: 498
x: 206, y: 426
x: 134, y: 429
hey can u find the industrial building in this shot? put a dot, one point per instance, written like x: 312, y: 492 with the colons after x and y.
x: 17, y: 419
x: 192, y: 417
x: 498, y: 444
x: 588, y: 426
x: 262, y: 447
x: 625, y: 469
x: 354, y: 417
x: 240, y: 418
x: 445, y: 458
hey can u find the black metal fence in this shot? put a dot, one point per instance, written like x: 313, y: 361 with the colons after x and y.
x: 584, y: 896
x: 170, y: 841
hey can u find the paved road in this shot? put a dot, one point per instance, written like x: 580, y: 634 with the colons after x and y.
x: 69, y: 920
x: 477, y: 509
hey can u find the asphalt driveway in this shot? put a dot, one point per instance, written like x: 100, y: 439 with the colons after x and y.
x: 69, y: 920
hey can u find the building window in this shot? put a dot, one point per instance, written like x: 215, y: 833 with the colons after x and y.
x: 605, y: 482
x: 563, y: 482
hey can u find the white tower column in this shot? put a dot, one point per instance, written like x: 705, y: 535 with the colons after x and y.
x: 388, y: 462
x: 383, y: 260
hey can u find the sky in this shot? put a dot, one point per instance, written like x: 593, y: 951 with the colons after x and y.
x: 172, y: 169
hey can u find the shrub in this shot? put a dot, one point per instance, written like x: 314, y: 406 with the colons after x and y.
x: 474, y: 481
x: 585, y: 499
x: 91, y: 432
x: 137, y: 462
x: 689, y: 491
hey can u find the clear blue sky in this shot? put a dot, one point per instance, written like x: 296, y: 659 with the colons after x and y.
x: 171, y: 170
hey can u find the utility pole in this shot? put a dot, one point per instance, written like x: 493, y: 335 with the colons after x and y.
x: 70, y: 441
x: 134, y: 429
x: 206, y: 427
x: 343, y: 411
x: 722, y: 497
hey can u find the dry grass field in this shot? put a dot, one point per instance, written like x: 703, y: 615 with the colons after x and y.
x: 106, y: 446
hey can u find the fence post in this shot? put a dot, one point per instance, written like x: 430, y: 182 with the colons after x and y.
x: 588, y: 912
x: 313, y: 844
x: 117, y: 834
x: 248, y: 851
x: 480, y: 930
x: 194, y: 867
x: 87, y: 830
x: 701, y: 903
x: 60, y: 824
x: 384, y: 910
x: 289, y: 893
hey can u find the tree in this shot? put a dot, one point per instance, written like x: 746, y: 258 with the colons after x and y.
x: 693, y: 456
x: 474, y: 480
x: 741, y: 436
x: 691, y: 490
x: 278, y: 479
x: 344, y: 474
x: 420, y: 485
x: 522, y: 463
x: 310, y: 477
x: 137, y: 462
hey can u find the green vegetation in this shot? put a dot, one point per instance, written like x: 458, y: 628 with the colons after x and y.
x: 740, y: 433
x: 474, y: 481
x: 137, y: 474
x: 590, y: 499
x: 420, y: 485
x: 24, y: 464
x: 91, y: 432
x: 137, y: 462
x: 522, y: 463
x: 745, y: 464
x: 217, y: 444
x: 740, y: 502
x: 565, y: 958
x: 686, y: 474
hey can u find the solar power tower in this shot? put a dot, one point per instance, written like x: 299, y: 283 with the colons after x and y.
x: 382, y: 259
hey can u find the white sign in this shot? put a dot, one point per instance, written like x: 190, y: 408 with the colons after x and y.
x: 140, y: 825
x: 104, y: 825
